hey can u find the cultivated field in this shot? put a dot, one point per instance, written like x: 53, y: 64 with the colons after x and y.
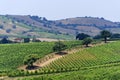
x: 99, y: 62
x: 12, y: 55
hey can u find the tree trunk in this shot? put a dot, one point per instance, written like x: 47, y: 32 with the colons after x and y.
x: 105, y: 38
x: 86, y: 45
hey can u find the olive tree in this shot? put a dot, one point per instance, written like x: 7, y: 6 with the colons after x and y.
x: 30, y: 59
x: 87, y: 41
x: 81, y: 36
x: 105, y: 34
x: 59, y: 46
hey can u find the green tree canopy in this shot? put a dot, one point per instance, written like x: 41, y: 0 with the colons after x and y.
x: 59, y: 46
x: 5, y: 41
x: 116, y: 35
x: 105, y: 34
x: 87, y: 41
x: 30, y: 59
x: 82, y: 36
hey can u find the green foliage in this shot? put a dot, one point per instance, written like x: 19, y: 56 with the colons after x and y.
x: 95, y: 63
x: 12, y: 55
x: 82, y: 36
x: 105, y: 34
x: 30, y: 59
x: 115, y: 36
x: 87, y: 41
x: 105, y: 73
x: 1, y: 26
x: 104, y: 54
x: 26, y: 40
x: 97, y: 37
x: 5, y: 41
x: 59, y: 46
x: 35, y: 39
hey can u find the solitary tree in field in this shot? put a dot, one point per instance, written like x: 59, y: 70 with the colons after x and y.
x: 87, y: 41
x: 4, y: 41
x: 30, y: 59
x: 26, y: 40
x: 81, y: 36
x: 105, y: 34
x: 59, y: 46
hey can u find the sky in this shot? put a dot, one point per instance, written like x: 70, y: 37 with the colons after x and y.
x: 61, y: 9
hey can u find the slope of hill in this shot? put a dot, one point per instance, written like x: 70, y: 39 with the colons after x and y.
x: 12, y: 55
x: 89, y: 25
x: 99, y: 55
x: 26, y: 25
x: 104, y: 73
x: 94, y: 63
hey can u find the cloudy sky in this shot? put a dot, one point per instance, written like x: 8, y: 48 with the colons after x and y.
x: 59, y: 9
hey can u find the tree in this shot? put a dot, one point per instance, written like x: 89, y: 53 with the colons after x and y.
x: 97, y: 37
x: 87, y: 41
x: 30, y: 59
x: 59, y: 46
x: 14, y: 26
x: 1, y: 26
x: 8, y: 30
x: 35, y: 39
x: 81, y: 36
x: 116, y: 35
x: 105, y: 34
x: 5, y: 41
x: 26, y: 40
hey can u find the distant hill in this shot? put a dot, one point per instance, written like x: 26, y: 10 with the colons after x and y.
x: 29, y: 26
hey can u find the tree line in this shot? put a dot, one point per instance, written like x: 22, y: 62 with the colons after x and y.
x: 105, y: 34
x: 5, y: 40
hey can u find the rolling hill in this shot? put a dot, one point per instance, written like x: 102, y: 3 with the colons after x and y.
x: 28, y: 26
x: 99, y: 62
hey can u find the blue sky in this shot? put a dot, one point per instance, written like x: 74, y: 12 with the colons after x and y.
x: 60, y: 9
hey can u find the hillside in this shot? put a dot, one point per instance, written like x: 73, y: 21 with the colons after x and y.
x: 94, y: 63
x: 89, y: 25
x: 103, y: 73
x: 24, y: 26
x: 12, y: 55
x: 27, y: 25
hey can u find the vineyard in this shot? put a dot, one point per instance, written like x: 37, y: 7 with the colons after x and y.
x: 93, y: 63
x: 12, y: 55
x: 99, y: 55
x: 105, y: 73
